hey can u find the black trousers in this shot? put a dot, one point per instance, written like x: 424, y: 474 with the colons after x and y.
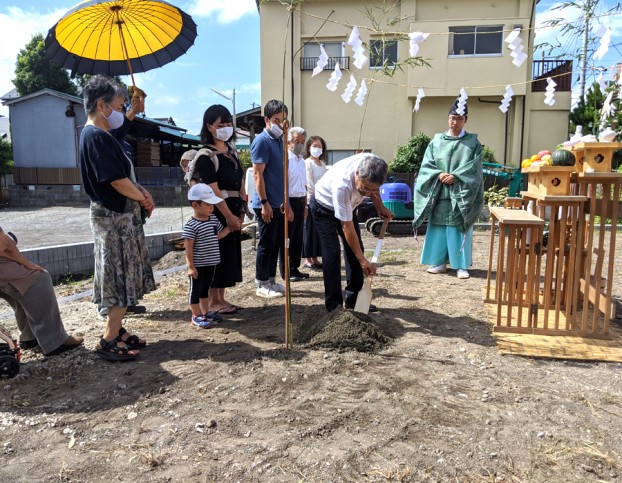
x: 294, y: 229
x: 330, y: 230
x: 268, y: 246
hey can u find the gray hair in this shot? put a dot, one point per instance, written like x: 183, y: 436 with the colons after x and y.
x: 373, y: 168
x: 295, y: 130
x: 104, y: 88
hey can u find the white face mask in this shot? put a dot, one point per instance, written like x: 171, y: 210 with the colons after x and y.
x: 316, y: 152
x: 224, y: 133
x: 297, y: 149
x: 115, y: 120
x: 276, y: 130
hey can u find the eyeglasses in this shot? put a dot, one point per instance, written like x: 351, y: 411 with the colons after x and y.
x: 456, y: 118
x: 367, y: 189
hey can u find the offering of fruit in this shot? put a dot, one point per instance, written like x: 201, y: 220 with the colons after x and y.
x: 562, y: 157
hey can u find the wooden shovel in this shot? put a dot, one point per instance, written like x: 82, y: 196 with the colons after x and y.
x: 363, y: 299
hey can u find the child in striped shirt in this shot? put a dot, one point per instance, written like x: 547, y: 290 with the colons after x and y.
x: 201, y: 234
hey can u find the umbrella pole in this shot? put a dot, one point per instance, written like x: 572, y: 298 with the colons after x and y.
x: 288, y: 296
x: 127, y: 56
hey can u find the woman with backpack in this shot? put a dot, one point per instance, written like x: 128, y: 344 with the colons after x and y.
x: 218, y: 166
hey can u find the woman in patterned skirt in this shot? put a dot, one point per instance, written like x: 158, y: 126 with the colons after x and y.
x: 123, y: 273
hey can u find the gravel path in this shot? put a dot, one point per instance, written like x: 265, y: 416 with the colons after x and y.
x: 60, y: 225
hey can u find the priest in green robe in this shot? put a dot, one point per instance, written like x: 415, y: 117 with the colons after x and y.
x: 449, y: 194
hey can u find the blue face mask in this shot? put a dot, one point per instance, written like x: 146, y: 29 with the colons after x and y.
x: 115, y: 120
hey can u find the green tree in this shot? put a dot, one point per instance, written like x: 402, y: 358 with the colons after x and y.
x: 6, y: 157
x: 34, y: 71
x: 408, y: 157
x: 587, y: 112
x: 82, y: 79
x: 244, y: 156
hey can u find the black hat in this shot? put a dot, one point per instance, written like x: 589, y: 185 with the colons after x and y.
x: 454, y: 107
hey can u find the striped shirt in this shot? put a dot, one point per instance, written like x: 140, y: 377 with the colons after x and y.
x: 206, y: 251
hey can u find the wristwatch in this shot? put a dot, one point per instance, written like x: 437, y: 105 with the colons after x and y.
x: 264, y: 201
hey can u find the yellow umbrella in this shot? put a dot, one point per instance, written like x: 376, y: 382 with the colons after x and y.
x: 120, y: 37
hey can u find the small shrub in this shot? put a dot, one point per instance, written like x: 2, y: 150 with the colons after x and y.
x: 244, y: 156
x: 496, y: 195
x: 408, y: 157
x: 488, y: 155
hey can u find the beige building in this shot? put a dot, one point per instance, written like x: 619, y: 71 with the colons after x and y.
x: 465, y: 49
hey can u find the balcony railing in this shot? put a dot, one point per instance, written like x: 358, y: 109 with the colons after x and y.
x: 559, y: 70
x: 309, y: 63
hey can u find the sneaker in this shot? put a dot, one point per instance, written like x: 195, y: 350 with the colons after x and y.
x: 267, y: 292
x: 463, y: 274
x: 213, y: 317
x: 200, y: 321
x: 437, y: 269
x: 296, y: 278
x: 277, y: 287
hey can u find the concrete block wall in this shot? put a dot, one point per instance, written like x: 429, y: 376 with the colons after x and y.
x: 41, y: 196
x: 77, y: 259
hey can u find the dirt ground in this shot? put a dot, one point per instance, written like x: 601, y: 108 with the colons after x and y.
x: 435, y: 403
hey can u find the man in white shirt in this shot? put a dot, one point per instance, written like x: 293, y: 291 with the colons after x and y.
x: 337, y: 194
x: 297, y: 176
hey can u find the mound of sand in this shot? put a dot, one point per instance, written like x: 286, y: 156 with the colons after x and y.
x: 343, y: 330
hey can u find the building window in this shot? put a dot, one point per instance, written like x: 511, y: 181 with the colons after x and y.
x: 382, y: 53
x: 482, y: 40
x: 335, y: 51
x: 337, y: 155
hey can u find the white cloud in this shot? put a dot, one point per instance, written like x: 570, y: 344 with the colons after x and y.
x: 17, y: 27
x: 226, y: 11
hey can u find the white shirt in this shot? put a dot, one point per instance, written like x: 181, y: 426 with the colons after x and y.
x: 297, y: 176
x: 462, y: 133
x: 336, y: 190
x: 314, y: 173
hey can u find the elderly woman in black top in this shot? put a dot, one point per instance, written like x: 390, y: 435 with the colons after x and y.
x: 218, y: 166
x: 123, y: 272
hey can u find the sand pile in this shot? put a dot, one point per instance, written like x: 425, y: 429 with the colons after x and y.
x: 343, y: 330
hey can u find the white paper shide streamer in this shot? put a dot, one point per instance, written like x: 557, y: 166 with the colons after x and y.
x: 507, y: 98
x: 335, y: 77
x: 515, y: 44
x: 600, y: 80
x: 604, y: 33
x: 347, y: 94
x: 356, y: 43
x: 549, y: 96
x: 360, y: 95
x: 415, y: 39
x: 420, y: 95
x: 462, y: 99
x: 322, y: 61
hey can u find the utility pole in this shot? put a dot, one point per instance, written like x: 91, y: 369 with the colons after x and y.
x: 232, y: 99
x: 587, y: 8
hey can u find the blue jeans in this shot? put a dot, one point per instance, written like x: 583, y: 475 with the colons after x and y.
x: 330, y: 231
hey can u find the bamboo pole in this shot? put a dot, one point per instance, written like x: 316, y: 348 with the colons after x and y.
x: 289, y: 343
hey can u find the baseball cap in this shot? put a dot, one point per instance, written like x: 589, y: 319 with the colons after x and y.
x: 202, y: 192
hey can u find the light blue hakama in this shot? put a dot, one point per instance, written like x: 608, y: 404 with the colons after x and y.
x: 448, y: 243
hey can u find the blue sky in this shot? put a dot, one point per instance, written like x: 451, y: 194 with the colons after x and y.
x: 225, y: 55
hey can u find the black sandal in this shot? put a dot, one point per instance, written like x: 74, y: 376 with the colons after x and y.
x: 111, y: 351
x: 133, y: 341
